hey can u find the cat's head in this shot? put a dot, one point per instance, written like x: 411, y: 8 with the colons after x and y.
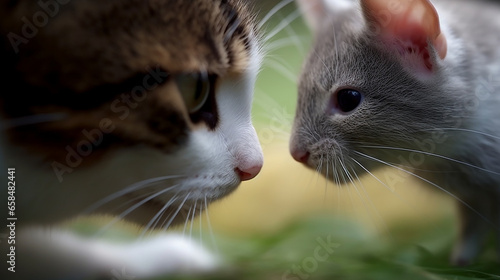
x: 376, y: 82
x: 140, y: 105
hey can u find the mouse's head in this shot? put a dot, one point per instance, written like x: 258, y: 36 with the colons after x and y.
x: 376, y: 76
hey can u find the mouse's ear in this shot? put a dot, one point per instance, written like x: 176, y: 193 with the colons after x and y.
x: 408, y: 25
x: 315, y: 12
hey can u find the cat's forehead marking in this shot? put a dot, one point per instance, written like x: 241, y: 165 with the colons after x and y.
x: 115, y: 44
x: 95, y: 42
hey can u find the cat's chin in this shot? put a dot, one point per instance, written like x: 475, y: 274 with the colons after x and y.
x: 178, y: 205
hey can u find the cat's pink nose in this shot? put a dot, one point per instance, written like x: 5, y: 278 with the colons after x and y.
x: 248, y: 173
x: 300, y: 155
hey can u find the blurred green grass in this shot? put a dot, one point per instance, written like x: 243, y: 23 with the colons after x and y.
x: 291, y: 254
x: 298, y: 251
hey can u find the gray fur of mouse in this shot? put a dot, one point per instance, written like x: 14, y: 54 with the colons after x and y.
x: 444, y: 128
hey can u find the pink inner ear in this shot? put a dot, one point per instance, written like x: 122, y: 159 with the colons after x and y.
x: 411, y: 43
x: 408, y: 27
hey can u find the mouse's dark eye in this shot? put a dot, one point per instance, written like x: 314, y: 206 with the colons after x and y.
x: 348, y: 100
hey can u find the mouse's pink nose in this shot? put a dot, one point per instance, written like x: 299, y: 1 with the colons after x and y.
x: 248, y: 173
x: 300, y: 155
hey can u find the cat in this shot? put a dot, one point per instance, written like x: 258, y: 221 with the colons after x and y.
x: 133, y: 108
x: 411, y: 85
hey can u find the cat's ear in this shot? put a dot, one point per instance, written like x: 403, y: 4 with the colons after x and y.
x: 410, y: 26
x: 316, y: 11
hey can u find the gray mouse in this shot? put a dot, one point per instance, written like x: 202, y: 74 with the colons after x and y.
x: 410, y: 85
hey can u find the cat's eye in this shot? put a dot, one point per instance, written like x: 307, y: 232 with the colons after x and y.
x: 347, y: 100
x: 195, y: 89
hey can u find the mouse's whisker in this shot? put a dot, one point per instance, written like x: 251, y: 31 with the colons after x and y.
x: 466, y: 130
x: 319, y: 168
x: 389, y: 188
x: 354, y: 184
x: 346, y: 172
x: 432, y: 155
x: 363, y: 197
x: 372, y: 208
x: 326, y: 173
x: 335, y: 179
x: 337, y: 173
x: 428, y: 182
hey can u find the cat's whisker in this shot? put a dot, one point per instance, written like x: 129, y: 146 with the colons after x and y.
x: 31, y: 120
x: 210, y: 229
x: 433, y: 155
x: 200, y: 225
x: 284, y: 23
x: 299, y: 44
x: 132, y: 208
x: 192, y: 219
x: 272, y: 12
x: 132, y: 200
x: 174, y: 215
x: 187, y: 220
x: 275, y: 64
x: 292, y: 37
x: 428, y: 182
x: 134, y: 187
x: 154, y: 221
x: 278, y: 44
x: 170, y: 202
